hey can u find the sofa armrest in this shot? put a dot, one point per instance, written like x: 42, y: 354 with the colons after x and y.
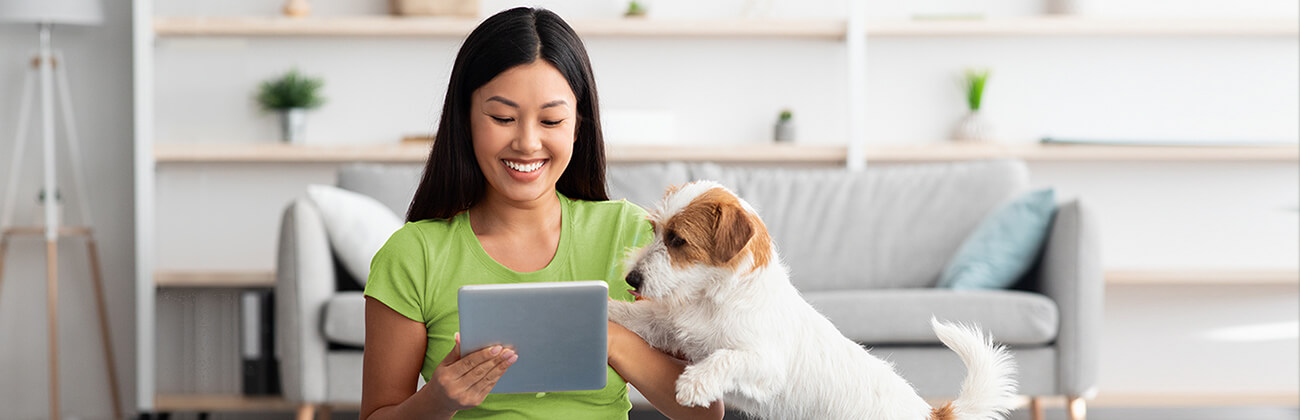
x: 1071, y: 275
x: 304, y: 281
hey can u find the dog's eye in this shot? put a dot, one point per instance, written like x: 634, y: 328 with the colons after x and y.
x: 673, y: 240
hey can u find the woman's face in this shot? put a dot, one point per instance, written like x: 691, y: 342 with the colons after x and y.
x: 523, y: 123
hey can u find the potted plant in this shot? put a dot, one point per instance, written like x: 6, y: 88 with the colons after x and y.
x: 784, y: 131
x: 634, y: 9
x: 975, y: 126
x: 291, y: 95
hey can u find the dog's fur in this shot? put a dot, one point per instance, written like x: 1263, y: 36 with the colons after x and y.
x: 716, y: 293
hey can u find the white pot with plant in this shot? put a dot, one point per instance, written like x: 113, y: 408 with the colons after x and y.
x: 291, y: 95
x: 975, y: 126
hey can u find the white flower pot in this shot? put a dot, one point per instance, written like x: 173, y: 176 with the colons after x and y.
x: 293, y: 122
x: 784, y: 132
x: 974, y: 127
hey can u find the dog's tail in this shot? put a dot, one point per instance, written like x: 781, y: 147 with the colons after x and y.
x: 989, y: 390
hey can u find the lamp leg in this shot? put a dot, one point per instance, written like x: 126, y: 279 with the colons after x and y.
x: 20, y: 140
x: 52, y: 309
x: 4, y: 248
x: 97, y: 278
x: 74, y: 141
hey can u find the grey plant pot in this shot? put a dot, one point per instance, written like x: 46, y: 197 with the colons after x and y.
x: 293, y: 122
x: 784, y: 131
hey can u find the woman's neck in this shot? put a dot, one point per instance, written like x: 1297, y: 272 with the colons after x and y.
x: 495, y: 215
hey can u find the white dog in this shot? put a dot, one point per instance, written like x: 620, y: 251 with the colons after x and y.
x: 715, y: 292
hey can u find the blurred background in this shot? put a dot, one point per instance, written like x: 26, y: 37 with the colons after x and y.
x: 1189, y: 112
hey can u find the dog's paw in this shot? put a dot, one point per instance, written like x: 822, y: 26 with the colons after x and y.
x: 620, y: 311
x: 695, y: 389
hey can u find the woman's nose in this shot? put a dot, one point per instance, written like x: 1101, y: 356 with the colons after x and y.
x: 528, y: 139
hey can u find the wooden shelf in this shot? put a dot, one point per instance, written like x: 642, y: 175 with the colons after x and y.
x: 1086, y: 26
x: 1243, y: 277
x: 826, y: 29
x: 393, y: 26
x: 768, y: 152
x: 214, y: 279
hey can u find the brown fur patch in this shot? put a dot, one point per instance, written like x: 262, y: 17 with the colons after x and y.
x: 946, y: 412
x: 717, y: 230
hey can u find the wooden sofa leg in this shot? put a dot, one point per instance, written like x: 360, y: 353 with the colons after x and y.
x: 325, y: 412
x: 1076, y: 408
x: 1036, y: 408
x: 306, y: 412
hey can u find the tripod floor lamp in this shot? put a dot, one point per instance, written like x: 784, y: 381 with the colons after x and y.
x: 48, y: 69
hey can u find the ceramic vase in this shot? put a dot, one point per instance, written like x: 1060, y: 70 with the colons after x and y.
x: 975, y: 126
x: 784, y: 132
x: 293, y: 122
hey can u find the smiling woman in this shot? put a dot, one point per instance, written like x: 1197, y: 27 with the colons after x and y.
x: 513, y: 192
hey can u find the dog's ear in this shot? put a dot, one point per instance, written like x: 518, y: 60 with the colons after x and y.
x: 731, y: 232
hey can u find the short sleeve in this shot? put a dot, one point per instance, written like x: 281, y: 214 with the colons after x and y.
x: 397, y: 273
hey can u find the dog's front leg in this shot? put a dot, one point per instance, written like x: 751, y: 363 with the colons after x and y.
x: 633, y: 316
x: 725, y: 371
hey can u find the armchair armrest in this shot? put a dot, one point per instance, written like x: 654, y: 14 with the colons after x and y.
x: 1071, y: 275
x: 304, y: 281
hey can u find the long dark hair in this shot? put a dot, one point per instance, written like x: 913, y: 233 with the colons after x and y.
x: 453, y: 181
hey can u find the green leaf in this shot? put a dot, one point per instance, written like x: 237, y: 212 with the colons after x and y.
x: 291, y: 90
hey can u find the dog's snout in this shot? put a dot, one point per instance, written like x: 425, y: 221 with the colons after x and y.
x: 634, y: 279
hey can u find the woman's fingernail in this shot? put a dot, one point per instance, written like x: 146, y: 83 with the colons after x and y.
x: 513, y: 359
x: 506, y: 354
x: 495, y: 350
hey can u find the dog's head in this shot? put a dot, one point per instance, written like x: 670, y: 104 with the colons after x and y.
x: 705, y: 237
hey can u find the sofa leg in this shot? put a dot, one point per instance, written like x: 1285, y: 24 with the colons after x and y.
x: 1076, y: 408
x: 324, y: 412
x: 306, y: 412
x: 1036, y: 408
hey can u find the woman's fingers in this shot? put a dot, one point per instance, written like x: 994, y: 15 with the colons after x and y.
x: 490, y: 378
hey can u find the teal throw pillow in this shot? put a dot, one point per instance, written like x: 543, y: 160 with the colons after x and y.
x: 1004, y: 244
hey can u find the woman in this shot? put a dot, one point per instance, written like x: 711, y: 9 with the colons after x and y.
x: 514, y: 191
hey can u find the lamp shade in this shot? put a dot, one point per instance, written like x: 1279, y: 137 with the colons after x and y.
x: 75, y: 12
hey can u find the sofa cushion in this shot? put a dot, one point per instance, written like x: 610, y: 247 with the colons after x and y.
x: 902, y: 316
x: 358, y: 226
x: 1004, y: 245
x: 885, y: 227
x: 644, y: 184
x: 344, y: 319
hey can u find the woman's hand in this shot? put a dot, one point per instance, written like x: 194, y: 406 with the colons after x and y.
x: 462, y: 383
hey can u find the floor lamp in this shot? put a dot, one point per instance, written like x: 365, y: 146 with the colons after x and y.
x: 48, y: 68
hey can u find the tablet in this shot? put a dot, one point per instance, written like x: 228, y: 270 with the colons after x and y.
x: 558, y: 329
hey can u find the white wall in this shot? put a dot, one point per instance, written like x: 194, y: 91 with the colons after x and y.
x: 99, y: 72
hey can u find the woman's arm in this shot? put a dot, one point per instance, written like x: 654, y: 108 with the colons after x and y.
x: 394, y: 353
x: 654, y: 374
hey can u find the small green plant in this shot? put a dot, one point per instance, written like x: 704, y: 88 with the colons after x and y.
x: 634, y: 9
x: 975, y: 80
x: 291, y: 90
x: 785, y: 116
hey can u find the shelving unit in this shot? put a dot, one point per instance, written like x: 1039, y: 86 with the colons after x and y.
x: 151, y: 152
x: 771, y: 153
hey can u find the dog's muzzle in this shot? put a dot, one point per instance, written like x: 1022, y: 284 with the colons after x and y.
x: 634, y: 279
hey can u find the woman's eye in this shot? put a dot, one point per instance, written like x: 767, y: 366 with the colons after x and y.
x: 502, y: 120
x: 552, y: 123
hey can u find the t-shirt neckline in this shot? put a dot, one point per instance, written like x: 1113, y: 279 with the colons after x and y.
x: 557, y: 263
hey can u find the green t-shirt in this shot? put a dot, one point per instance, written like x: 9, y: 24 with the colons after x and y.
x: 419, y: 270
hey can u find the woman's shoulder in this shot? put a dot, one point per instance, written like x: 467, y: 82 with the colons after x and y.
x: 421, y: 234
x: 609, y: 210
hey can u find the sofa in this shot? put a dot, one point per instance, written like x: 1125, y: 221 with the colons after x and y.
x: 865, y: 248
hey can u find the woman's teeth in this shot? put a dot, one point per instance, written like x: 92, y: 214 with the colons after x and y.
x: 524, y: 167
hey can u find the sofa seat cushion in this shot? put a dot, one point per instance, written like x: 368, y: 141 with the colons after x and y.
x: 345, y: 319
x: 902, y: 316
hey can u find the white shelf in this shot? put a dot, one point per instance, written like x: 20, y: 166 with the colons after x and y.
x: 1085, y: 26
x: 166, y: 153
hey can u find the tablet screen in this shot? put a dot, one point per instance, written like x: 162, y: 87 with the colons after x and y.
x: 558, y: 330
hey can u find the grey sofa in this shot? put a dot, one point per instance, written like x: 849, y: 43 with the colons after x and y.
x: 865, y: 248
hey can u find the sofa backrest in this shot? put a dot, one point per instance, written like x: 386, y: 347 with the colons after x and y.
x: 885, y: 227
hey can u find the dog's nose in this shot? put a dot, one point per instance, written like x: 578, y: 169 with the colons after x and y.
x: 634, y: 279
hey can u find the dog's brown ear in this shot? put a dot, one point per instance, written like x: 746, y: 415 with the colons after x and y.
x: 732, y: 231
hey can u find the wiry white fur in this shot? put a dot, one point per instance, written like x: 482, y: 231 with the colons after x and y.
x: 755, y: 343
